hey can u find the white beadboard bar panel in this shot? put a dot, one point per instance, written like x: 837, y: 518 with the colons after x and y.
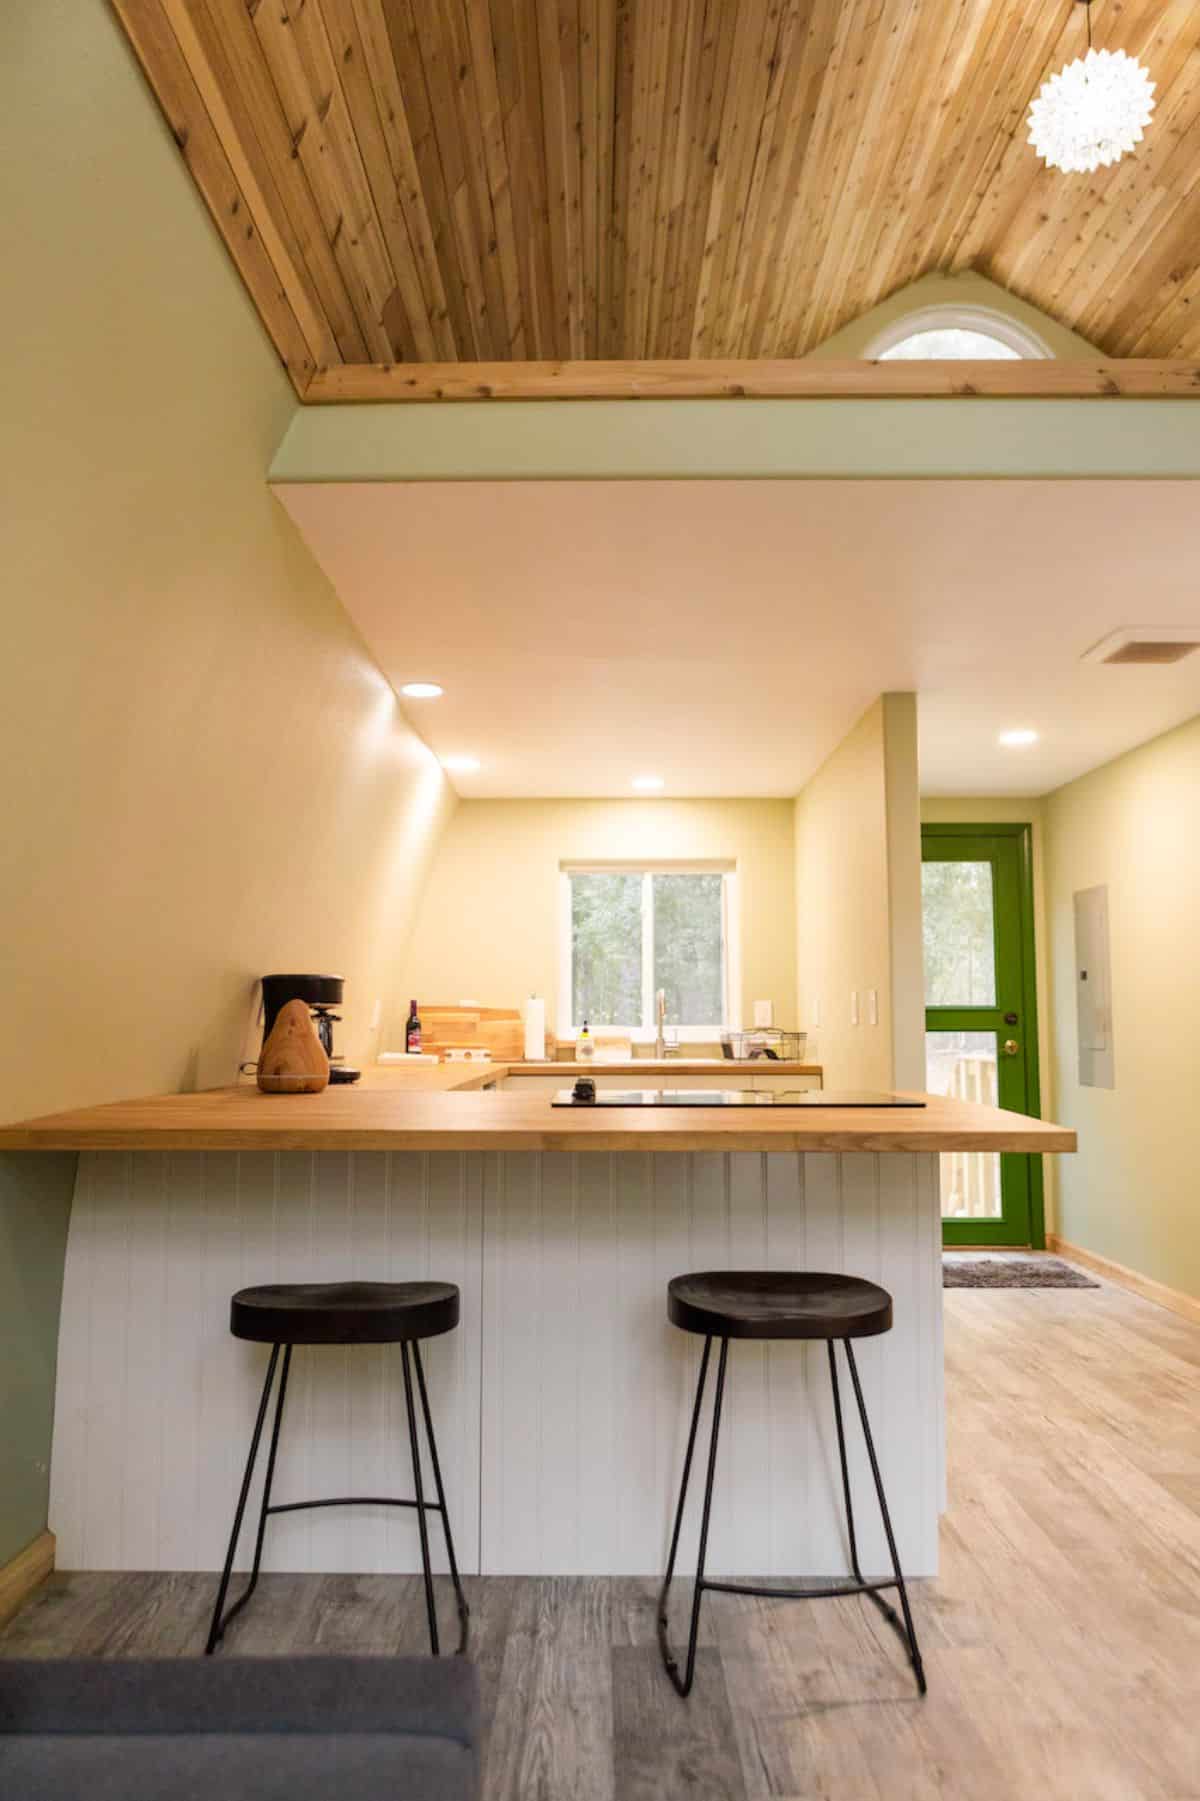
x: 155, y: 1399
x: 562, y: 1401
x: 587, y: 1388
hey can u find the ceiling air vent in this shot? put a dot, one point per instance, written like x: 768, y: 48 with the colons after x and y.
x: 1154, y: 644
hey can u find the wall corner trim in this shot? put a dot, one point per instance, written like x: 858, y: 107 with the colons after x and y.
x: 27, y: 1571
x: 1173, y: 1299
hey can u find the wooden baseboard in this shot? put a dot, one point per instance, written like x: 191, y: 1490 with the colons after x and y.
x: 19, y: 1578
x: 1186, y: 1305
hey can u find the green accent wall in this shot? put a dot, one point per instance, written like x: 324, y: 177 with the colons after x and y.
x: 35, y: 1205
x: 626, y: 440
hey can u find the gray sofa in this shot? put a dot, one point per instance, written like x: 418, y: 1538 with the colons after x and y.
x: 240, y: 1729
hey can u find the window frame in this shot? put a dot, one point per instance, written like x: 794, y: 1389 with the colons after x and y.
x: 1012, y: 333
x: 644, y: 1031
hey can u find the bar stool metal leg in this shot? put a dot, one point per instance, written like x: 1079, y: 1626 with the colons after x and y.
x: 885, y: 1607
x: 909, y: 1631
x: 464, y: 1612
x: 217, y: 1629
x: 683, y: 1684
x: 430, y: 1608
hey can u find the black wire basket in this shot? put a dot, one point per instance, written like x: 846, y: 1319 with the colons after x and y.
x: 767, y: 1044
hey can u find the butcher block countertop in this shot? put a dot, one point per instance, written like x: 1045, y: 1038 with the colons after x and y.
x: 442, y: 1109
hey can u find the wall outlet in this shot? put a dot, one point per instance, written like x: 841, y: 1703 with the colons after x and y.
x: 854, y: 1006
x: 872, y: 1006
x: 764, y: 1013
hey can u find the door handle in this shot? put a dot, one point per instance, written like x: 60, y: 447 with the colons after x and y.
x: 1011, y: 1047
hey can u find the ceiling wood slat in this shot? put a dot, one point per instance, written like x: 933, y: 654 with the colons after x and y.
x: 202, y: 149
x: 296, y: 52
x: 408, y: 306
x: 376, y: 51
x: 464, y: 299
x: 214, y: 47
x: 432, y: 181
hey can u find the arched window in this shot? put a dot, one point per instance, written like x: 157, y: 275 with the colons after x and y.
x: 943, y: 332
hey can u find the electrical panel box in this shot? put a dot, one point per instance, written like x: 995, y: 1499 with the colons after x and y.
x: 1093, y: 989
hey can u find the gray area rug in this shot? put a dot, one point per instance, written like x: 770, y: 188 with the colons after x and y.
x: 1012, y: 1272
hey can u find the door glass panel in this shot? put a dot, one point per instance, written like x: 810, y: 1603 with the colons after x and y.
x: 962, y: 1066
x: 958, y: 914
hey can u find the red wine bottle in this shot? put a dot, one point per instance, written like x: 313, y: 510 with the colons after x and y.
x: 412, y: 1031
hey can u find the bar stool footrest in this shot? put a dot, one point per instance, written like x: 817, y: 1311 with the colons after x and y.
x: 351, y: 1501
x: 849, y: 1587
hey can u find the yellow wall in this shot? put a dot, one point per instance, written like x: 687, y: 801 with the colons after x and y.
x: 488, y: 926
x: 1131, y: 1192
x: 858, y: 902
x: 206, y: 775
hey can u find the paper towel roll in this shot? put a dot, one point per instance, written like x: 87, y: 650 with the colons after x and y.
x: 535, y: 1029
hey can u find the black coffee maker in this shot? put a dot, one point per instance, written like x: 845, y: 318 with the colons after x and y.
x: 322, y: 994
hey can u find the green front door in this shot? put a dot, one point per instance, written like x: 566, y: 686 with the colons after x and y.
x: 980, y: 1018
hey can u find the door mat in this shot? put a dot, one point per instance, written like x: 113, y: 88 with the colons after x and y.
x: 1012, y: 1272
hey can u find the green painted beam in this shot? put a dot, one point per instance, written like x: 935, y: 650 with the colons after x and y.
x: 750, y: 440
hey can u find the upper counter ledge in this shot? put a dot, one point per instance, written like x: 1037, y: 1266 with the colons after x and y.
x: 390, y: 1119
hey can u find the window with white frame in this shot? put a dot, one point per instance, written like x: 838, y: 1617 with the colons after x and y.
x: 629, y: 930
x: 973, y: 333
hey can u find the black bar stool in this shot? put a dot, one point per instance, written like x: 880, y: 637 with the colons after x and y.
x: 761, y: 1304
x: 343, y: 1313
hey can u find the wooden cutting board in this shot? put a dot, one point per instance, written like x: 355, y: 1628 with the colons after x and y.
x: 498, y: 1030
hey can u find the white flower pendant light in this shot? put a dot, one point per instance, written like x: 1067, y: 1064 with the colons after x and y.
x: 1093, y: 111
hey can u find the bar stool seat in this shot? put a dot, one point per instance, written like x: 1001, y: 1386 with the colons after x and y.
x: 778, y: 1304
x: 344, y: 1312
x: 287, y: 1314
x: 781, y: 1304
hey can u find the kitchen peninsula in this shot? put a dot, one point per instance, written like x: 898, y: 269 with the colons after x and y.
x: 563, y: 1397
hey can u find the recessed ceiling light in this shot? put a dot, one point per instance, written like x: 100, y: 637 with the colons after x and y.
x: 647, y: 784
x: 461, y: 765
x: 1016, y: 740
x: 422, y: 690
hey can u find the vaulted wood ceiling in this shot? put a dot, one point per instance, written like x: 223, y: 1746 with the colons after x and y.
x: 440, y: 180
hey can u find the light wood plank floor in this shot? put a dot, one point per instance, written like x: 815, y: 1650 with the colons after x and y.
x: 1062, y: 1640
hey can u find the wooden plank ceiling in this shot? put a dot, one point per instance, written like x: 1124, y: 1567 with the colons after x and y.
x: 496, y: 180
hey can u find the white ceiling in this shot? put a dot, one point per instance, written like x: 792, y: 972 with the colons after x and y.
x: 727, y: 634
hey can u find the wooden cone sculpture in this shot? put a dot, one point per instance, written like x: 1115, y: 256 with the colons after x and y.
x: 293, y: 1059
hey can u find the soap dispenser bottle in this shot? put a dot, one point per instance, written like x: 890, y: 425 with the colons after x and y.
x: 585, y: 1049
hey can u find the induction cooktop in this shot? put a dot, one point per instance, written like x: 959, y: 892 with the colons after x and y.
x: 731, y: 1097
